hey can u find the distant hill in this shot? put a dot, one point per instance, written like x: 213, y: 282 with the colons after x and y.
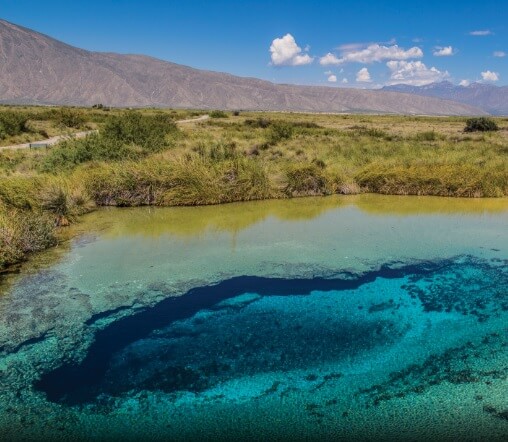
x: 35, y: 68
x: 490, y: 98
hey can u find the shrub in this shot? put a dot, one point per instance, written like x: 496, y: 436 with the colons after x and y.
x: 13, y: 123
x: 69, y: 117
x: 218, y: 114
x: 63, y: 202
x: 258, y: 123
x: 19, y: 192
x: 369, y: 132
x: 280, y: 131
x: 23, y: 232
x: 126, y: 137
x: 134, y: 128
x: 481, y: 124
x: 306, y: 180
x: 427, y: 136
x: 69, y: 154
x: 223, y: 150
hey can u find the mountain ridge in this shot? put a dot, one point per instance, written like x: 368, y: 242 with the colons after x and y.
x: 39, y: 69
x: 492, y: 99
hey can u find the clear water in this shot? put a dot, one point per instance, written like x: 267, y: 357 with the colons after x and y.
x: 367, y: 317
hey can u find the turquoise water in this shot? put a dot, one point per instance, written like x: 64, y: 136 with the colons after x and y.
x: 368, y: 318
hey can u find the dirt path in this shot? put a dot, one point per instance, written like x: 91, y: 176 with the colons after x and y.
x: 54, y: 140
x: 50, y: 141
x: 193, y: 120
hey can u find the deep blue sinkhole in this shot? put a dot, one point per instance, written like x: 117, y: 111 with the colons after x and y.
x: 147, y: 351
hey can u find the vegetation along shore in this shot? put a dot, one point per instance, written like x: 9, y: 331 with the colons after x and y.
x: 144, y: 157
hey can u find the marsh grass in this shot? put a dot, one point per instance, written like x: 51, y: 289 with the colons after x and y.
x: 142, y: 158
x: 22, y: 233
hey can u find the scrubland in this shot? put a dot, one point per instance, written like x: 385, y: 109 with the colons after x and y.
x: 144, y: 157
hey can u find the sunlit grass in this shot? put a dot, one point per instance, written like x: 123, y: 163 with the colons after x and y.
x: 249, y: 156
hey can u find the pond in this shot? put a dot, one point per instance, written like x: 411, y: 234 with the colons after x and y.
x: 369, y: 317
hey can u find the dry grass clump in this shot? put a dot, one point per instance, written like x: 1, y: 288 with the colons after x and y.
x: 22, y: 233
x: 434, y: 179
x: 188, y: 180
x: 306, y: 179
x: 65, y: 201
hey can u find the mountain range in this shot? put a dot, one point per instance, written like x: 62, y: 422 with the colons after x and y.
x: 490, y: 98
x: 37, y: 69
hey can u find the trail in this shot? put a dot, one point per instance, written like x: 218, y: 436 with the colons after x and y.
x: 54, y: 140
x: 50, y: 141
x: 194, y: 120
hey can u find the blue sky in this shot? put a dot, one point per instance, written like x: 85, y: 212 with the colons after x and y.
x: 337, y: 43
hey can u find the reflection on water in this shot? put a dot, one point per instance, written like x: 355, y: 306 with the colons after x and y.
x: 235, y: 217
x: 318, y: 318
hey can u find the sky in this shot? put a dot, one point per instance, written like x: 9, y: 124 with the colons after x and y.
x: 364, y: 44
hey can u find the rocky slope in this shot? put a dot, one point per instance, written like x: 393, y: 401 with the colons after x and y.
x: 490, y: 98
x: 35, y: 68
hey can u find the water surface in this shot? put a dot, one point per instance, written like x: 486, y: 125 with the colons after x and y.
x: 370, y: 317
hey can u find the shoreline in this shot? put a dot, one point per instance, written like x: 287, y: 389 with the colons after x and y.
x: 63, y: 235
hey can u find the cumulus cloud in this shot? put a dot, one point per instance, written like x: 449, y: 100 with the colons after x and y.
x: 329, y: 59
x: 464, y: 83
x: 414, y: 73
x: 372, y: 53
x: 285, y: 52
x: 363, y: 76
x: 499, y: 54
x: 344, y: 80
x: 332, y: 78
x: 443, y: 51
x: 481, y: 33
x: 490, y: 76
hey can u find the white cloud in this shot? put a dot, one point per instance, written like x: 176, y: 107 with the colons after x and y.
x: 329, y: 59
x: 490, y: 76
x: 332, y: 79
x: 414, y: 73
x: 328, y: 73
x: 499, y: 54
x: 285, y: 52
x: 351, y: 47
x: 443, y: 51
x: 363, y: 76
x: 372, y: 53
x: 344, y: 80
x: 481, y: 33
x: 464, y: 83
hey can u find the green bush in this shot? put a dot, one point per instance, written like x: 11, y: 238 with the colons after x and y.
x: 23, y: 232
x: 69, y: 154
x: 280, y: 131
x: 218, y: 114
x: 481, y: 124
x: 427, y: 136
x: 69, y: 117
x: 13, y: 123
x: 258, y: 123
x: 134, y: 128
x: 306, y: 180
x: 126, y: 137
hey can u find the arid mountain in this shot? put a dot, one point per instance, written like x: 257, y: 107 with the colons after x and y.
x: 490, y: 98
x: 35, y: 68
